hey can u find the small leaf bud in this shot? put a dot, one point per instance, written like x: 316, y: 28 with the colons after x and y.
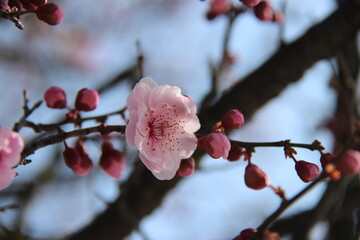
x: 235, y: 153
x: 250, y: 3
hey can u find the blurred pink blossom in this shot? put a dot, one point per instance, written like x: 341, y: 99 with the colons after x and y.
x: 11, y: 146
x: 162, y: 126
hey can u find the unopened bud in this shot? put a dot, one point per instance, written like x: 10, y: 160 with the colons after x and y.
x: 271, y: 236
x: 245, y: 234
x: 250, y: 3
x: 220, y: 6
x: 55, y: 97
x: 215, y: 144
x: 264, y: 11
x: 187, y: 167
x: 73, y: 159
x: 325, y: 159
x: 15, y: 3
x: 112, y: 161
x: 255, y: 178
x: 39, y: 3
x: 235, y: 153
x: 307, y: 171
x: 87, y: 99
x: 50, y: 13
x: 234, y: 119
x: 349, y: 163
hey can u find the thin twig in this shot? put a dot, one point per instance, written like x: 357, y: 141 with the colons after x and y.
x: 41, y: 143
x: 78, y: 121
x: 26, y: 113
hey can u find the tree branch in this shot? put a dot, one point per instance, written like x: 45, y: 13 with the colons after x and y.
x: 142, y: 193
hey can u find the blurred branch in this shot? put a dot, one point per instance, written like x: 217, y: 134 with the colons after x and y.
x: 103, y: 129
x: 142, y: 193
x: 12, y: 16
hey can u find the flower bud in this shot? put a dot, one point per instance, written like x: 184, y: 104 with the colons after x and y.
x: 264, y: 11
x: 55, y: 97
x: 28, y: 5
x: 87, y: 99
x: 325, y: 159
x: 15, y: 3
x: 215, y: 144
x: 271, y: 236
x: 250, y: 3
x: 187, y: 167
x: 349, y: 163
x: 39, y: 3
x: 255, y: 178
x: 245, y: 234
x: 307, y: 171
x: 112, y: 161
x: 50, y: 13
x: 220, y: 6
x: 234, y: 119
x: 74, y: 160
x: 235, y: 153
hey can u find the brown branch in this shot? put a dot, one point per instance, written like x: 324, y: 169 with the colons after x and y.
x: 103, y: 129
x: 142, y: 193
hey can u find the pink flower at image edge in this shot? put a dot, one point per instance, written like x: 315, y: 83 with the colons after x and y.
x: 162, y: 126
x: 11, y: 146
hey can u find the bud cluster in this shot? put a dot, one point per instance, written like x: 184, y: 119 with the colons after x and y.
x: 86, y: 100
x: 50, y: 13
x: 111, y: 160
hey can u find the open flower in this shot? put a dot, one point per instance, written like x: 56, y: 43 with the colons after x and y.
x: 162, y: 125
x: 11, y: 145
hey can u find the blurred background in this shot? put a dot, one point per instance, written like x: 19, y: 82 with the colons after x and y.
x: 97, y: 41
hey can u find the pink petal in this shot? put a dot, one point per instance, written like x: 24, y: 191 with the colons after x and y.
x: 6, y: 177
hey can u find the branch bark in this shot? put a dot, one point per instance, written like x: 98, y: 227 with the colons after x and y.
x: 142, y: 193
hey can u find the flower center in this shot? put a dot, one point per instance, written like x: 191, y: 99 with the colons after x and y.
x: 165, y: 128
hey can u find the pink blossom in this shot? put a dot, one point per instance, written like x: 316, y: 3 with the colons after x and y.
x: 162, y: 126
x: 11, y: 146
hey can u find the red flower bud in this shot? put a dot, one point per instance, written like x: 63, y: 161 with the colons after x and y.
x: 255, y: 178
x: 245, y: 234
x: 250, y: 3
x: 235, y: 153
x: 215, y: 144
x: 55, y: 97
x: 349, y: 163
x: 28, y: 5
x: 50, y: 13
x: 39, y: 3
x: 325, y: 159
x: 75, y: 160
x: 233, y: 119
x: 307, y: 171
x: 220, y: 6
x: 187, y: 167
x: 112, y: 161
x: 87, y: 99
x: 264, y: 11
x: 271, y: 236
x: 15, y: 3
